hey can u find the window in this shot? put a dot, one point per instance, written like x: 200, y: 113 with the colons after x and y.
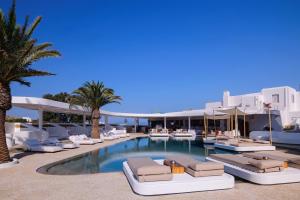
x: 293, y: 98
x: 275, y: 98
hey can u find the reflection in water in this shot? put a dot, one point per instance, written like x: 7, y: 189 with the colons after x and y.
x: 110, y: 159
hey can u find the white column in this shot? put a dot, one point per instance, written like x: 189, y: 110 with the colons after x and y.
x: 40, y: 119
x: 236, y: 123
x: 106, y: 122
x: 135, y: 124
x: 84, y: 121
x: 165, y: 123
x: 189, y: 125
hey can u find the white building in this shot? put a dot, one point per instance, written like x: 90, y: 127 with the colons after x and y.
x: 285, y: 103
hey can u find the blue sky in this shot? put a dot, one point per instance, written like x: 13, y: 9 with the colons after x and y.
x: 166, y: 55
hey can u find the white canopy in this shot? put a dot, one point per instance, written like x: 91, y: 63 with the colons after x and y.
x: 233, y: 111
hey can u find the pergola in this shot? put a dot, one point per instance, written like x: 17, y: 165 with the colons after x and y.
x: 41, y: 105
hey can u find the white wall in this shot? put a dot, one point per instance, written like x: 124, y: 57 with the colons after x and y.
x: 256, y: 100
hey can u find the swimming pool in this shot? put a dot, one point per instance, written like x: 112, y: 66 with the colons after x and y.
x: 110, y: 159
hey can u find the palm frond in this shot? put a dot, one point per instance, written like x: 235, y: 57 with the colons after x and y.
x: 33, y: 26
x: 18, y: 50
x: 94, y: 95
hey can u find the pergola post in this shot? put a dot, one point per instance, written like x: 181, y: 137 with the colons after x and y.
x: 268, y: 107
x: 205, y: 126
x: 136, y: 121
x: 228, y: 124
x: 189, y: 125
x: 244, y: 125
x: 106, y: 122
x: 40, y: 112
x: 84, y: 121
x: 215, y: 128
x: 236, y: 123
x: 270, y: 126
x: 165, y: 123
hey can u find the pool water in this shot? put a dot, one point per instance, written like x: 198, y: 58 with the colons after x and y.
x: 110, y: 159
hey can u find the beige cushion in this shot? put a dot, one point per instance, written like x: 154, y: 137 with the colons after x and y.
x: 157, y: 177
x: 295, y: 160
x: 246, y: 140
x: 146, y: 166
x: 204, y: 173
x: 241, y: 161
x: 256, y: 156
x: 265, y: 164
x: 205, y: 166
x: 273, y: 169
x: 248, y: 144
x: 262, y: 141
x: 198, y: 169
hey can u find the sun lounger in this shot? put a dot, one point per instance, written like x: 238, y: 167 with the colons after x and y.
x: 64, y: 145
x: 146, y: 170
x: 162, y: 133
x: 263, y: 172
x: 244, y: 146
x: 84, y: 140
x: 292, y: 159
x: 196, y: 168
x: 110, y: 136
x: 180, y: 183
x: 36, y: 146
x: 183, y: 133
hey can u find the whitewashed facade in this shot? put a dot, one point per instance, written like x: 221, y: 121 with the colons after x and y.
x: 285, y: 106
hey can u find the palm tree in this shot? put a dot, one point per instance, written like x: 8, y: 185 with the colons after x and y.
x: 92, y: 96
x: 18, y: 51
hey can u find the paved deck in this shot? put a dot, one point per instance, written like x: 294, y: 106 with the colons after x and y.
x: 22, y: 182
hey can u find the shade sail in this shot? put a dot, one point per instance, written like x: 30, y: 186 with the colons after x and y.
x: 217, y: 117
x: 233, y: 111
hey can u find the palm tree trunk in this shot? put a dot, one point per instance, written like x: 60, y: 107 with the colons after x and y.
x: 4, y: 153
x: 95, y: 124
x: 5, y: 104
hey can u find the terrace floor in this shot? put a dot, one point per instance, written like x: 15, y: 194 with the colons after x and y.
x: 23, y: 182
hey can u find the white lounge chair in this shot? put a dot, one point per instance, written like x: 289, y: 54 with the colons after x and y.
x: 240, y: 166
x: 156, y: 133
x: 35, y: 146
x: 180, y: 183
x: 109, y: 136
x: 184, y: 133
x: 244, y: 146
x: 65, y: 145
x: 84, y: 140
x: 121, y: 132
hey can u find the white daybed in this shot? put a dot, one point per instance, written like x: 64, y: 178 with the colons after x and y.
x: 109, y: 136
x: 288, y: 175
x: 159, y: 135
x: 122, y: 133
x: 209, y: 140
x: 184, y: 133
x: 245, y: 148
x: 84, y: 140
x: 64, y: 145
x: 36, y: 146
x: 156, y: 133
x: 180, y: 183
